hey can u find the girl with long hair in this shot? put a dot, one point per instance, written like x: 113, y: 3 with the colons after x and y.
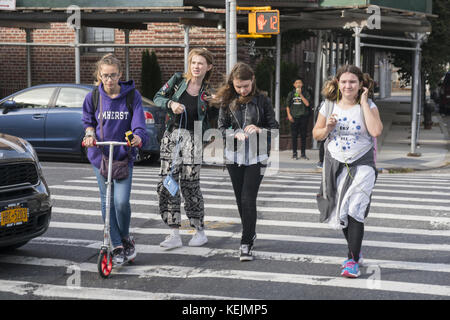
x: 349, y: 121
x: 245, y: 117
x: 184, y: 97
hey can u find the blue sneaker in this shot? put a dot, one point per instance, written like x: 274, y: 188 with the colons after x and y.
x: 360, y: 261
x: 351, y: 269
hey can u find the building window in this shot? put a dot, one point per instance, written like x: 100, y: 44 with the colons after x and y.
x: 98, y: 35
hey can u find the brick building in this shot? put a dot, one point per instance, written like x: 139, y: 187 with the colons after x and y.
x: 51, y: 64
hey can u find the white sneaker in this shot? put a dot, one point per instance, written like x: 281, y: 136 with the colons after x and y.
x: 172, y: 241
x: 198, y: 239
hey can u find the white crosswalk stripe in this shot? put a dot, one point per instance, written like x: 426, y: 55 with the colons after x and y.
x: 409, y: 219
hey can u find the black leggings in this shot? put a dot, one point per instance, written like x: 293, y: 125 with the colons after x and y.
x: 246, y: 181
x: 354, y: 234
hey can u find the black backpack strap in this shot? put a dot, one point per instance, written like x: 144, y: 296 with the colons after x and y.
x: 95, y: 96
x: 130, y: 99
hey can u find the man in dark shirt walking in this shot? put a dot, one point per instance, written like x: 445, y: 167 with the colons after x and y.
x: 298, y: 114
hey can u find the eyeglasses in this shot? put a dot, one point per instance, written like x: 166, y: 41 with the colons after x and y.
x: 112, y: 76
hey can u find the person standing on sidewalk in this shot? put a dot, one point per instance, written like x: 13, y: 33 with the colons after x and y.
x: 113, y: 99
x: 298, y: 114
x: 349, y: 121
x: 185, y: 98
x: 245, y: 118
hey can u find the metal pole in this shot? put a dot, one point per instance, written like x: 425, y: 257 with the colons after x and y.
x: 332, y: 56
x: 338, y: 52
x: 382, y: 75
x: 77, y: 56
x: 357, y: 31
x: 233, y: 38
x: 277, y: 88
x: 415, y: 100
x: 327, y: 56
x: 127, y: 54
x: 28, y: 39
x: 277, y: 78
x: 317, y: 84
x: 227, y: 36
x: 186, y: 48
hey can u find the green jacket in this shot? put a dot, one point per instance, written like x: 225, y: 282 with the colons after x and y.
x: 173, y: 89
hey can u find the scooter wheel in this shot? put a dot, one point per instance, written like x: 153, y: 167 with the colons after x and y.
x: 104, y: 267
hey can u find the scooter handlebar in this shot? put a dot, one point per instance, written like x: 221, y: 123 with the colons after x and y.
x: 107, y: 143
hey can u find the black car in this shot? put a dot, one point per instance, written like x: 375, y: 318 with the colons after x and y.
x: 25, y: 202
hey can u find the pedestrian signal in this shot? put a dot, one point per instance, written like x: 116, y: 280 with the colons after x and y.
x: 264, y: 22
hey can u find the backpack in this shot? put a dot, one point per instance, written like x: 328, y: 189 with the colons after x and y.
x: 130, y: 99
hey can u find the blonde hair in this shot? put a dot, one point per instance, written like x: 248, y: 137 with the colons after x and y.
x: 108, y: 59
x: 227, y: 96
x: 205, y: 53
x: 330, y: 89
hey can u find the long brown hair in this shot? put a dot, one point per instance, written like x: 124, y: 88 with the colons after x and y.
x: 227, y: 96
x: 331, y: 87
x: 205, y: 53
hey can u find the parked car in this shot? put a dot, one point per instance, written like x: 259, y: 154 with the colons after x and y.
x: 25, y: 202
x: 444, y: 95
x: 49, y: 117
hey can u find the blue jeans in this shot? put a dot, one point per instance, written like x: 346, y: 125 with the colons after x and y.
x: 120, y: 213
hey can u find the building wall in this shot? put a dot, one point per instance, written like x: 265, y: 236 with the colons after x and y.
x: 57, y: 64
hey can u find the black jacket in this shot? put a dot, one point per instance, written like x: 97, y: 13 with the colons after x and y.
x: 258, y: 111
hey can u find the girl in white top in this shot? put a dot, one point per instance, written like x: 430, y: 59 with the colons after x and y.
x: 350, y: 129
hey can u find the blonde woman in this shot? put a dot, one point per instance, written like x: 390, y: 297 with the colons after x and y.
x: 349, y: 121
x: 184, y: 97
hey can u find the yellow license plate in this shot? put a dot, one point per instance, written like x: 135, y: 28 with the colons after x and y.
x: 14, y: 215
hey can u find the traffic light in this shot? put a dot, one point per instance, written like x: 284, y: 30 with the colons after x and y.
x: 264, y: 22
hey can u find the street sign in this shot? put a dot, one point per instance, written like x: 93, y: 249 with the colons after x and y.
x: 264, y: 22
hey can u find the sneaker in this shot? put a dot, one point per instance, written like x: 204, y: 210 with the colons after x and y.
x: 171, y: 242
x: 129, y: 248
x: 351, y: 269
x: 246, y: 252
x: 198, y: 239
x: 294, y: 156
x: 303, y: 157
x: 118, y: 256
x: 319, y: 165
x: 360, y: 261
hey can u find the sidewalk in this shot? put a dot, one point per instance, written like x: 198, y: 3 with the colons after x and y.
x: 393, y: 144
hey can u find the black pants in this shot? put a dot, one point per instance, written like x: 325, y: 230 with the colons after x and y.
x: 246, y: 181
x: 354, y: 234
x: 321, y: 150
x: 299, y: 126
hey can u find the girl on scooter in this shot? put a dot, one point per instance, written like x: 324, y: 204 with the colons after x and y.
x: 117, y: 119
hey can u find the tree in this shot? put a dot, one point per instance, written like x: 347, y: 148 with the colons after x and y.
x: 151, y: 78
x: 435, y: 51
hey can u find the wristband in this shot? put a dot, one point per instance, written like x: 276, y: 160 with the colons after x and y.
x: 89, y: 133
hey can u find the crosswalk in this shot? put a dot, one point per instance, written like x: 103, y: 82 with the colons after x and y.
x: 406, y: 244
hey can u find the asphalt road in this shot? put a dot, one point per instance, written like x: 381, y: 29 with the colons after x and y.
x: 406, y: 245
